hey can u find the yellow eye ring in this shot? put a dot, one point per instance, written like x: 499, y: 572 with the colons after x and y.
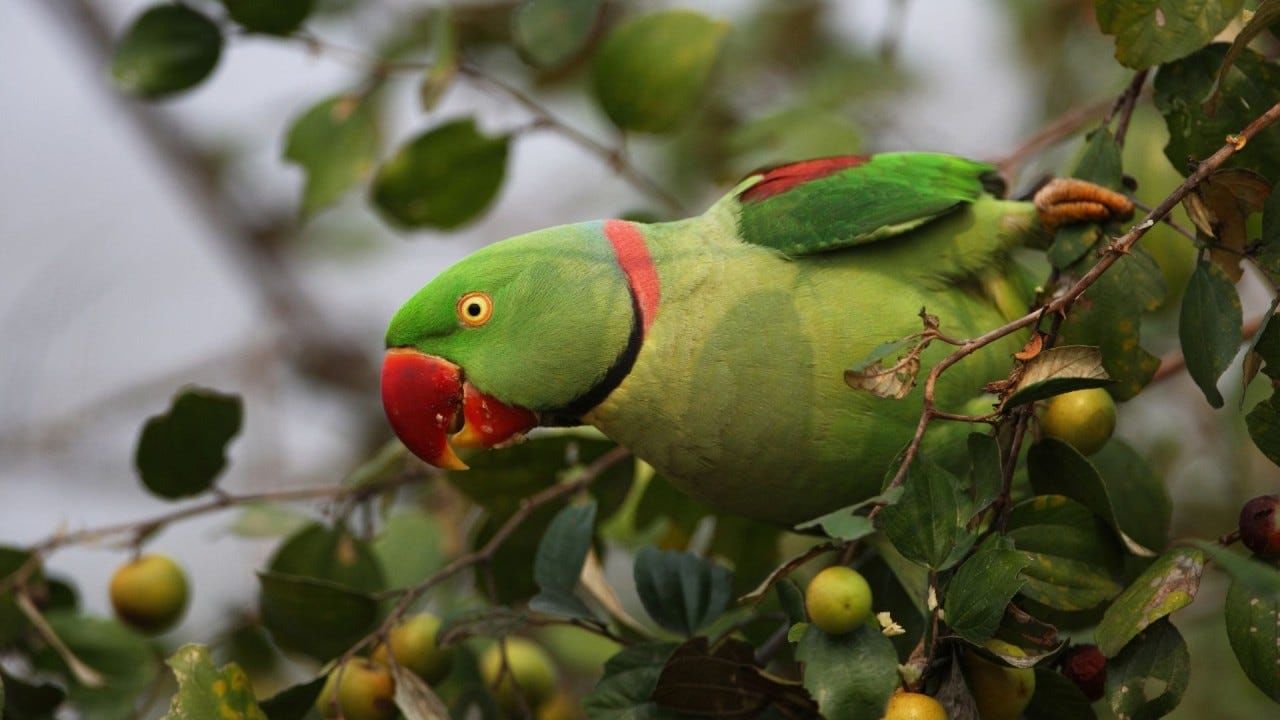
x: 475, y: 308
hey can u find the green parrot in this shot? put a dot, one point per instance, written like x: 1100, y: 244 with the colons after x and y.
x: 715, y: 347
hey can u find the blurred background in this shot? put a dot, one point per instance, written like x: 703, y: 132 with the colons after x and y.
x: 144, y: 247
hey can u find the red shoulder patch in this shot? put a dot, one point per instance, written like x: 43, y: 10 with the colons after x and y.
x: 784, y: 177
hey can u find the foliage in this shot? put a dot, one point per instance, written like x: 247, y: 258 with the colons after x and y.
x: 1008, y: 553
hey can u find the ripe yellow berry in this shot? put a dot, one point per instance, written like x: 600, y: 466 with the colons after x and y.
x: 1083, y: 419
x: 363, y: 690
x: 838, y: 600
x: 914, y: 706
x: 413, y: 643
x: 150, y: 593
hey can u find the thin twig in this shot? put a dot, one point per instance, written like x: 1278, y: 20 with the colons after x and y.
x: 1125, y: 105
x: 218, y: 502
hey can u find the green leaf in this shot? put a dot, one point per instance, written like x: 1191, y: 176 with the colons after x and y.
x: 1146, y: 679
x: 1056, y: 468
x: 1073, y: 556
x: 844, y: 524
x: 723, y: 680
x: 1265, y: 344
x: 550, y: 33
x: 182, y: 451
x: 1139, y: 498
x: 275, y: 17
x: 850, y: 675
x: 924, y: 524
x: 558, y: 564
x: 335, y: 143
x: 1168, y: 584
x: 1057, y: 698
x: 1247, y: 90
x: 1253, y: 628
x: 1264, y: 427
x: 682, y: 592
x: 441, y: 179
x: 1101, y: 162
x: 1209, y: 327
x: 123, y: 658
x: 1059, y: 370
x: 490, y: 622
x: 985, y: 476
x: 1262, y: 578
x: 1269, y: 254
x: 294, y: 703
x: 268, y: 520
x: 409, y: 548
x: 791, y: 598
x: 316, y: 617
x: 652, y: 71
x: 628, y: 682
x: 982, y: 588
x: 1151, y: 32
x: 1109, y: 317
x: 206, y: 692
x: 317, y: 595
x: 329, y: 554
x: 167, y: 49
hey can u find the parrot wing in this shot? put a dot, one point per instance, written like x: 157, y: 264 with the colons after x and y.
x: 838, y: 202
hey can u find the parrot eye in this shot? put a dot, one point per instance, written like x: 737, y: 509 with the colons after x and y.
x: 475, y: 308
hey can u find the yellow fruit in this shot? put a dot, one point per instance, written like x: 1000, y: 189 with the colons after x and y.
x: 364, y: 690
x: 529, y: 664
x: 561, y: 706
x: 413, y: 643
x: 150, y: 593
x: 1083, y: 419
x: 838, y: 600
x: 914, y: 706
x: 1001, y: 693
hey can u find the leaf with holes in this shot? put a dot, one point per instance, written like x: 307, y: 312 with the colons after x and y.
x: 207, y: 691
x: 1147, y: 678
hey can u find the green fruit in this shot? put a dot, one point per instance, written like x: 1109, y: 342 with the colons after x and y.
x: 914, y: 706
x: 838, y: 600
x: 529, y: 664
x: 150, y: 593
x: 1083, y: 419
x: 1001, y: 693
x: 363, y: 690
x: 413, y: 643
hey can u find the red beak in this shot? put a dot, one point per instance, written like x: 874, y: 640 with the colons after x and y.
x: 425, y: 398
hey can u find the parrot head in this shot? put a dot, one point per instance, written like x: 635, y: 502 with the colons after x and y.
x: 531, y: 330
